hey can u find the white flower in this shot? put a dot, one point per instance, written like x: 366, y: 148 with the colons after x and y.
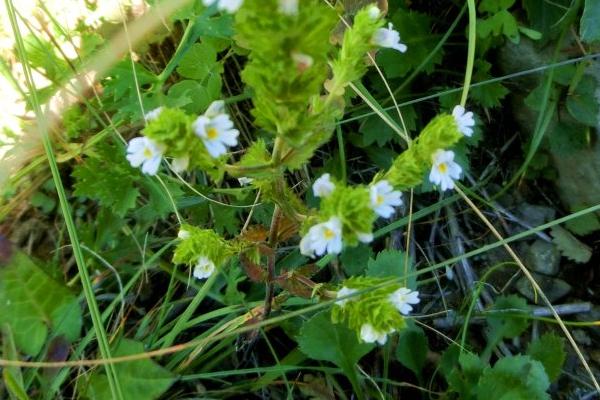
x: 215, y: 109
x: 180, y: 164
x: 288, y: 7
x: 225, y: 5
x: 444, y: 170
x: 183, y: 234
x: 145, y: 152
x: 216, y: 130
x: 369, y: 335
x: 244, y: 181
x: 374, y: 11
x: 345, y: 292
x: 389, y: 37
x: 464, y: 120
x: 403, y: 298
x: 323, y: 237
x: 204, y: 268
x: 384, y: 198
x: 323, y: 186
x: 153, y: 114
x: 365, y: 237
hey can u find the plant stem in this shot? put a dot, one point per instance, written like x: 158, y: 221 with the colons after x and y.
x: 470, y: 51
x: 88, y: 290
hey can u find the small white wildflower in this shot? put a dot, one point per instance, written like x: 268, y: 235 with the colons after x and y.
x: 389, y: 37
x: 365, y: 237
x: 374, y: 11
x: 145, y: 152
x: 180, y: 164
x: 323, y: 237
x: 153, y: 114
x: 369, y: 335
x: 204, y: 268
x: 464, y: 120
x: 444, y: 170
x: 183, y: 234
x: 230, y: 6
x: 216, y: 130
x: 215, y: 109
x: 344, y: 292
x: 384, y: 198
x: 403, y: 298
x: 288, y: 7
x: 244, y: 181
x: 323, y: 186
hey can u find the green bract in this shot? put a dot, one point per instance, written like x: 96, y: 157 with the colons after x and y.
x: 173, y: 129
x: 352, y: 205
x: 202, y: 243
x: 350, y: 64
x: 370, y: 307
x: 287, y: 61
x: 408, y: 168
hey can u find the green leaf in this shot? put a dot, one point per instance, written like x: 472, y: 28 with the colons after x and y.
x: 514, y: 378
x: 583, y: 104
x: 549, y: 349
x: 501, y: 23
x: 570, y: 246
x: 199, y: 62
x: 320, y: 339
x: 392, y: 263
x: 140, y: 380
x: 462, y: 379
x: 493, y: 6
x: 412, y: 349
x: 193, y: 96
x: 504, y: 325
x: 583, y: 225
x: 34, y: 304
x: 545, y: 16
x: 415, y: 32
x: 106, y: 176
x: 488, y: 96
x: 589, y: 28
x: 354, y: 259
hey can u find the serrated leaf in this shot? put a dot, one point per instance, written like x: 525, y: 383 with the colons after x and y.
x: 33, y: 304
x: 500, y: 321
x: 193, y: 96
x: 488, y: 96
x: 199, y: 62
x: 501, y: 23
x: 320, y: 339
x: 570, y: 246
x: 514, y: 378
x: 107, y: 178
x: 584, y: 225
x: 140, y: 380
x: 412, y: 349
x: 589, y: 28
x: 549, y: 349
x: 392, y: 263
x: 415, y: 32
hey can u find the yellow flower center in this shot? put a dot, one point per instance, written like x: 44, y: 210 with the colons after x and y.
x: 379, y: 199
x: 443, y: 168
x: 212, y: 133
x: 328, y: 234
x: 147, y: 153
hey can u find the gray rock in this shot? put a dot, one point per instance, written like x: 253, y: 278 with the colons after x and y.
x: 554, y: 288
x: 543, y: 257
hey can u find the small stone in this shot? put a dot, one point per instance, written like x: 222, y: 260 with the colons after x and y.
x: 543, y: 257
x: 553, y: 288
